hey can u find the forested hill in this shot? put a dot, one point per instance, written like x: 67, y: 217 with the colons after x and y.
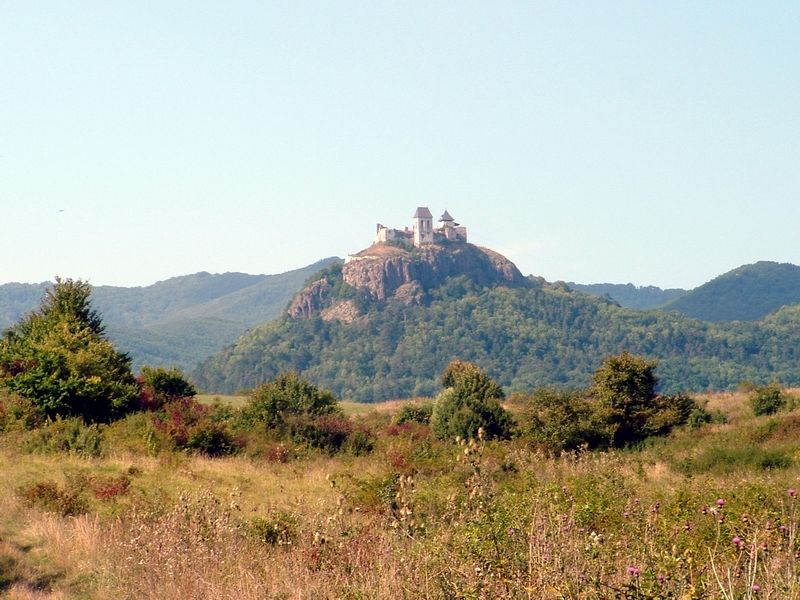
x: 369, y: 349
x: 748, y: 293
x: 179, y: 321
x: 629, y: 295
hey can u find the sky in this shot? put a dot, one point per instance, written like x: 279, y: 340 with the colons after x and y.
x: 656, y: 143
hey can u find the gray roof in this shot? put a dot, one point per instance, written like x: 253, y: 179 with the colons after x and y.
x: 446, y: 216
x: 422, y: 212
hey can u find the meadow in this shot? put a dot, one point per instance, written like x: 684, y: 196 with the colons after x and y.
x: 706, y: 512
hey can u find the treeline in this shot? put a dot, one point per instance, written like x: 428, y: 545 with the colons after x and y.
x: 525, y: 338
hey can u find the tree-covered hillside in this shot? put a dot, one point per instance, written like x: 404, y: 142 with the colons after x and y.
x: 748, y: 293
x: 631, y: 296
x: 179, y: 321
x: 524, y: 337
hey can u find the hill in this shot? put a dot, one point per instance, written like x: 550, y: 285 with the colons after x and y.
x: 179, y: 321
x: 748, y: 293
x: 385, y: 325
x: 629, y: 295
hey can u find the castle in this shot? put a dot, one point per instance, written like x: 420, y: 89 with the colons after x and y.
x: 422, y: 231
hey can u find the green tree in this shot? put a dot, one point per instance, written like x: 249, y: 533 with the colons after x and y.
x: 624, y: 391
x: 470, y: 402
x: 59, y: 358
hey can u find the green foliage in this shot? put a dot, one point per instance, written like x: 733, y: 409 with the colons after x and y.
x: 194, y: 427
x: 160, y: 386
x: 542, y: 335
x: 289, y: 394
x: 414, y: 413
x: 558, y: 420
x: 629, y: 295
x: 624, y: 390
x: 767, y: 400
x: 469, y: 404
x: 621, y: 408
x: 747, y: 293
x: 18, y: 413
x: 70, y: 435
x: 278, y: 529
x: 59, y: 359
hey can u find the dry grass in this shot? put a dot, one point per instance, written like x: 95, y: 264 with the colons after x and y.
x: 414, y: 519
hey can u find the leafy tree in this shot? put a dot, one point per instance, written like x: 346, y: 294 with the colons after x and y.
x: 470, y: 402
x: 624, y: 390
x: 59, y: 358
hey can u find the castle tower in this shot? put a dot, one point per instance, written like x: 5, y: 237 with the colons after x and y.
x: 446, y: 226
x: 422, y: 223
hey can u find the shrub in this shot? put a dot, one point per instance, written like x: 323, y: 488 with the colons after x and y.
x: 414, y: 413
x: 209, y: 438
x: 69, y: 435
x: 107, y: 488
x: 327, y: 432
x: 18, y: 413
x: 270, y: 404
x: 559, y: 420
x: 51, y: 497
x: 159, y: 386
x: 767, y: 400
x: 470, y: 402
x: 279, y: 529
x: 192, y: 426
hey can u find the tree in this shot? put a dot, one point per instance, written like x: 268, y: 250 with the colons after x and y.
x: 624, y: 390
x: 470, y: 402
x: 59, y: 358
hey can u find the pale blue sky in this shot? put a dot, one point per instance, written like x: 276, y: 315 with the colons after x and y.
x: 645, y: 142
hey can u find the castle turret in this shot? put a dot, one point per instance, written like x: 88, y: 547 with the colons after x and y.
x: 422, y: 222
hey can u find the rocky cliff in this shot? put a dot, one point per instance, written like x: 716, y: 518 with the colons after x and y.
x: 384, y: 271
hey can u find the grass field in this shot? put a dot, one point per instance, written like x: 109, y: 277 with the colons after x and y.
x: 703, y: 513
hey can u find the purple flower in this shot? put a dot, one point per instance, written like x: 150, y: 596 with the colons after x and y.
x: 792, y: 492
x: 720, y: 502
x: 756, y: 588
x: 633, y: 571
x: 737, y: 541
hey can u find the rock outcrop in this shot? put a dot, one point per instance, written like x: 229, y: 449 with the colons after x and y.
x: 384, y: 271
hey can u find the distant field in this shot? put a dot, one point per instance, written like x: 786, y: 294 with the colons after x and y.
x: 349, y: 407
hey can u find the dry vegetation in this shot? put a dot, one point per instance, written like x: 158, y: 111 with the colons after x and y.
x: 704, y: 513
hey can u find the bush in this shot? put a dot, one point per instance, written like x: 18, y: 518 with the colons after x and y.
x: 18, y: 413
x: 559, y: 420
x: 414, y: 413
x: 69, y: 435
x: 192, y: 426
x: 211, y: 439
x: 767, y: 400
x: 470, y: 403
x: 270, y: 404
x: 279, y: 529
x: 51, y: 497
x: 159, y: 386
